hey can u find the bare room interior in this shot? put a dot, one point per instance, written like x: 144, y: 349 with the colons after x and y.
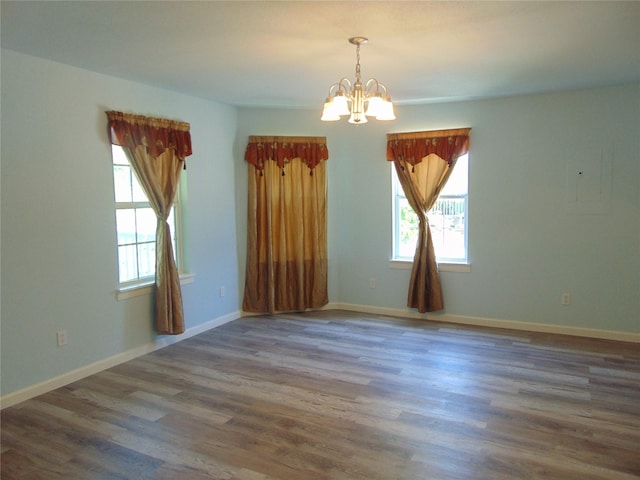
x: 320, y: 240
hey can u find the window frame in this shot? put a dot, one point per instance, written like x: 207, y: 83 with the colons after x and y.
x: 143, y: 284
x: 444, y: 263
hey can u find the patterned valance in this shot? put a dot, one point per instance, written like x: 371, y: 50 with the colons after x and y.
x: 414, y: 146
x: 157, y: 134
x: 311, y: 150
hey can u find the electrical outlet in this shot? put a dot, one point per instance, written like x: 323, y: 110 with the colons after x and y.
x: 372, y: 282
x: 61, y: 336
x: 566, y: 299
x: 221, y: 291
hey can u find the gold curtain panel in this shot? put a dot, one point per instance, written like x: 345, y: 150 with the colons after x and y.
x: 287, y: 224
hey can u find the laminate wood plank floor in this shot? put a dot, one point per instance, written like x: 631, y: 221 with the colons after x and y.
x: 342, y: 395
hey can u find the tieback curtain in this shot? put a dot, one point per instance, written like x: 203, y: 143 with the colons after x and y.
x: 156, y: 149
x: 432, y: 156
x: 287, y: 263
x: 310, y: 150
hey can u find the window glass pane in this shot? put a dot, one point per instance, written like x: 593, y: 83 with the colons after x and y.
x: 127, y: 261
x: 452, y: 242
x: 138, y: 193
x: 122, y: 183
x: 408, y: 229
x: 126, y: 226
x: 452, y: 210
x: 146, y: 223
x: 446, y: 220
x: 457, y: 182
x: 118, y: 155
x: 146, y: 259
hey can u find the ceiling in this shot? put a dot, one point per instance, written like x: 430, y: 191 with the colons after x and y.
x: 286, y: 54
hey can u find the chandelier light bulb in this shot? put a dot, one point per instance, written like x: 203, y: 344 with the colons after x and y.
x: 358, y: 118
x: 374, y: 108
x: 386, y: 110
x: 341, y: 104
x: 329, y: 112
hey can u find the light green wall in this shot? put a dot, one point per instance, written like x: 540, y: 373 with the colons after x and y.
x: 526, y: 247
x: 57, y: 233
x: 58, y: 240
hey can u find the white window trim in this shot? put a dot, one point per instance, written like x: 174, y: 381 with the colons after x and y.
x: 145, y: 286
x: 445, y: 264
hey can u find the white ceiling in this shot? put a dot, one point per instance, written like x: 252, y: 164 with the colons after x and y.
x: 275, y: 53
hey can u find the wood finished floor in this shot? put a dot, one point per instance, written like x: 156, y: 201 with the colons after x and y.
x: 340, y: 395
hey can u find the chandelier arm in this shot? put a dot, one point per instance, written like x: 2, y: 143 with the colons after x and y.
x: 344, y: 82
x: 378, y: 85
x: 343, y: 85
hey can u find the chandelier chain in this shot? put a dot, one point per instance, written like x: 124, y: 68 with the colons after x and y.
x: 358, y: 63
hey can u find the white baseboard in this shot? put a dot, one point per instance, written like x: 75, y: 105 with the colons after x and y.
x: 492, y: 322
x: 82, y: 372
x: 163, y: 341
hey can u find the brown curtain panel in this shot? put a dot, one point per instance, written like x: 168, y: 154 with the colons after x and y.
x: 423, y: 162
x: 157, y: 149
x: 287, y: 224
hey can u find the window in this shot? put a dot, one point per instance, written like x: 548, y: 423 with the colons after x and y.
x: 447, y: 219
x: 136, y: 225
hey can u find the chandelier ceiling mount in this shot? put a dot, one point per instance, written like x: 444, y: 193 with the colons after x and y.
x: 356, y: 99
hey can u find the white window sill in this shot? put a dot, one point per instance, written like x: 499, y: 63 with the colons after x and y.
x: 139, y: 289
x: 443, y: 267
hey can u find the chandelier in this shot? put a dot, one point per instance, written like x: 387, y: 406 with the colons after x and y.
x: 357, y: 100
